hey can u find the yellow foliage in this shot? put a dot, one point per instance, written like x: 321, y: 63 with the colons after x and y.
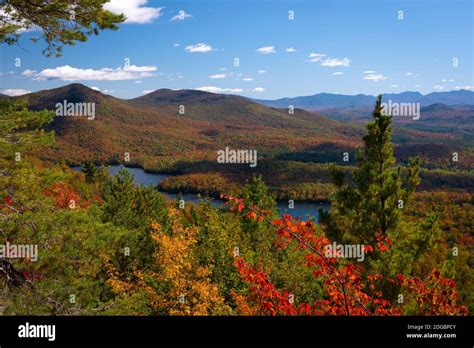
x: 189, y: 289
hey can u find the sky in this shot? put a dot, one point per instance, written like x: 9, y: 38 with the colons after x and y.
x: 284, y: 49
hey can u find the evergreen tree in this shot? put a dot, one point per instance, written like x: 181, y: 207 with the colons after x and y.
x: 61, y: 22
x: 380, y: 191
x: 256, y: 193
x: 90, y: 171
x: 374, y: 203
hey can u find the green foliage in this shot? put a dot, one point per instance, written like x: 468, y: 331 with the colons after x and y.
x: 129, y: 205
x: 61, y: 22
x: 219, y: 236
x: 110, y: 230
x: 257, y: 193
x: 20, y: 129
x: 380, y: 192
x: 90, y: 171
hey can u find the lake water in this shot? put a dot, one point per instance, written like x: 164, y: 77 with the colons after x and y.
x: 301, y: 209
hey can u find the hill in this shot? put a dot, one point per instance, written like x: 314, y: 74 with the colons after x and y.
x: 157, y: 136
x: 294, y: 149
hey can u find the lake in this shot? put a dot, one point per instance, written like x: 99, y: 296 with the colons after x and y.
x: 301, y: 208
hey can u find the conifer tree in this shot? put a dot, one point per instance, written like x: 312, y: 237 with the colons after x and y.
x: 90, y: 171
x: 374, y: 202
x: 61, y: 22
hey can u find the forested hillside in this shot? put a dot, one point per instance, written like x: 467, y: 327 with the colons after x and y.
x: 160, y: 137
x: 109, y: 247
x: 395, y: 237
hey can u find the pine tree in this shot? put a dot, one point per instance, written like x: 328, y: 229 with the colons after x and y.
x: 257, y: 193
x: 60, y: 22
x: 90, y: 171
x: 380, y: 191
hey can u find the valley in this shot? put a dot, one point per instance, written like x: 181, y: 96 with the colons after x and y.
x: 294, y: 150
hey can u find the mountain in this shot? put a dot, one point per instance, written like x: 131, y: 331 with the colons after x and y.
x: 169, y: 96
x: 73, y: 93
x: 461, y: 97
x: 231, y: 111
x: 323, y: 101
x: 156, y: 135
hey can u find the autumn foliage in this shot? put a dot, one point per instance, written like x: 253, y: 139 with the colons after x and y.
x: 65, y: 197
x: 349, y: 289
x: 181, y: 286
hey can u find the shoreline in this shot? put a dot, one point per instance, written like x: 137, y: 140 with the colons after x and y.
x: 188, y: 191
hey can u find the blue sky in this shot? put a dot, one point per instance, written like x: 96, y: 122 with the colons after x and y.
x: 337, y: 46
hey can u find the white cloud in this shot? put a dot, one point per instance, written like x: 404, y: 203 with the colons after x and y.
x: 134, y: 10
x: 444, y: 80
x: 290, y: 50
x: 409, y: 74
x: 198, y: 48
x: 266, y: 50
x: 146, y: 91
x: 438, y: 87
x: 465, y: 87
x: 223, y: 69
x: 418, y: 86
x: 451, y: 80
x: 247, y: 79
x: 258, y: 89
x: 28, y: 73
x: 213, y: 89
x: 369, y: 72
x: 326, y: 61
x: 374, y: 77
x: 176, y: 45
x: 138, y: 81
x: 105, y: 91
x: 332, y: 62
x: 394, y: 86
x: 315, y: 57
x: 181, y: 16
x: 12, y: 92
x: 337, y: 73
x: 261, y: 71
x: 69, y: 73
x: 217, y: 76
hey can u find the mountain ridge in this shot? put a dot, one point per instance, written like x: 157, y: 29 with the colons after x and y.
x: 329, y: 100
x: 153, y: 129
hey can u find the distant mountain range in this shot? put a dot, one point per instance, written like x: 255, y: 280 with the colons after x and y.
x: 323, y: 101
x: 159, y: 136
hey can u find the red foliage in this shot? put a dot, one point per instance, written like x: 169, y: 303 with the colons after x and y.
x: 349, y: 291
x: 8, y: 203
x: 65, y: 197
x: 437, y: 295
x: 263, y: 293
x: 32, y: 276
x: 8, y: 200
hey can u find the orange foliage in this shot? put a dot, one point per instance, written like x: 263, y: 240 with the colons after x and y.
x: 65, y: 197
